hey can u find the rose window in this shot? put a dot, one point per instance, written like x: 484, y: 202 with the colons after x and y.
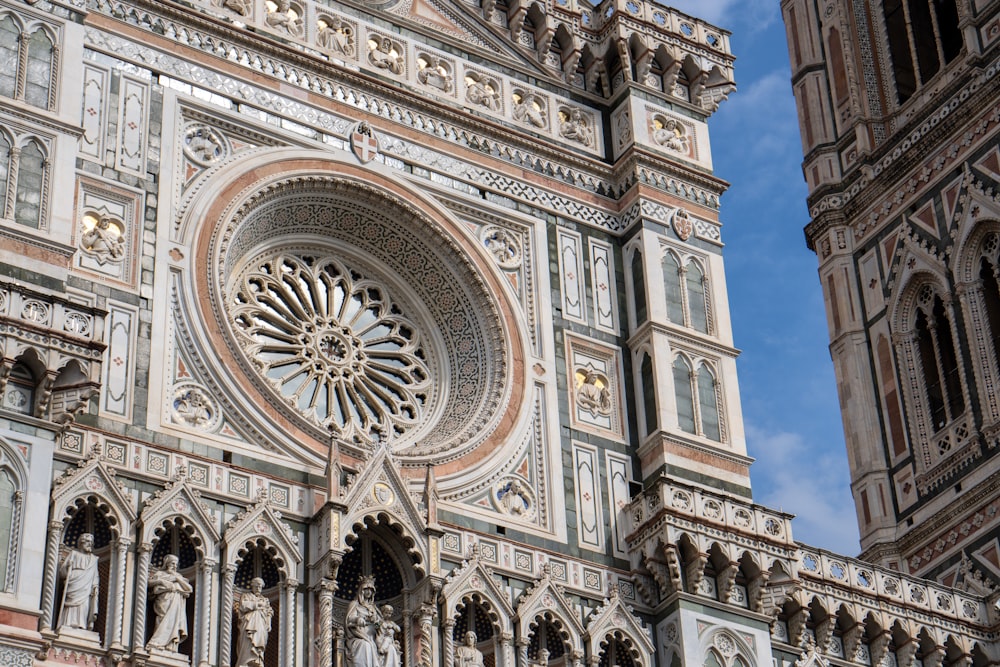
x: 332, y: 342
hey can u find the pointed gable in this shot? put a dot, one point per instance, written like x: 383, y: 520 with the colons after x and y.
x: 93, y: 477
x: 261, y: 521
x: 380, y: 490
x: 546, y: 596
x: 179, y: 499
x: 615, y: 616
x: 474, y: 579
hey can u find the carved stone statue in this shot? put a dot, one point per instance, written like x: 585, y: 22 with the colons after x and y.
x: 241, y: 7
x: 81, y: 586
x: 531, y: 109
x: 370, y: 635
x: 170, y: 591
x: 104, y: 241
x: 384, y: 58
x: 593, y: 395
x: 337, y: 36
x: 280, y: 18
x: 388, y: 648
x: 513, y: 499
x: 467, y: 655
x: 255, y: 614
x: 670, y: 136
x: 576, y: 129
x: 484, y: 93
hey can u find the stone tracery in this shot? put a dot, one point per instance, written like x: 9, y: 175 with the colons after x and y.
x: 332, y: 342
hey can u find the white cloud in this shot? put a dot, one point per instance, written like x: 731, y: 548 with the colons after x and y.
x: 809, y: 481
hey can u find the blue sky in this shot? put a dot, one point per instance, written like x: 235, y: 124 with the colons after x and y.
x: 790, y: 405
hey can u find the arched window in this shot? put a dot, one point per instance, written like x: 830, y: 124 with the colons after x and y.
x: 10, y: 36
x: 697, y: 301
x: 672, y: 288
x: 4, y: 170
x: 38, y: 75
x: 30, y: 181
x: 923, y: 29
x: 938, y: 360
x: 8, y: 489
x: 27, y: 64
x: 19, y: 394
x: 648, y: 392
x: 638, y: 288
x: 683, y: 377
x: 708, y: 403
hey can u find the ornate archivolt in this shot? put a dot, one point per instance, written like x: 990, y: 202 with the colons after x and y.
x: 545, y: 597
x: 615, y: 616
x: 326, y: 299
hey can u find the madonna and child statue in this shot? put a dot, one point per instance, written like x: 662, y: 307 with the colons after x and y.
x: 370, y: 632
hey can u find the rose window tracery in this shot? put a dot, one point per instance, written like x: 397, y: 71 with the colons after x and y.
x: 332, y: 342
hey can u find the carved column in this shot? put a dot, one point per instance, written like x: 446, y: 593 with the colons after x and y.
x: 505, y: 647
x: 426, y: 619
x: 51, y: 566
x: 408, y: 650
x: 226, y: 627
x: 117, y: 611
x: 576, y: 655
x: 15, y: 538
x: 522, y: 652
x: 15, y: 161
x: 205, y: 604
x: 141, y: 591
x: 449, y: 642
x: 288, y: 621
x: 326, y: 588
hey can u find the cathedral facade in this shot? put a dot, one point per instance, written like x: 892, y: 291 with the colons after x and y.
x: 393, y: 333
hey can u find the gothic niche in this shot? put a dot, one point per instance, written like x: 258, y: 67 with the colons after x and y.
x: 335, y: 35
x: 547, y: 644
x: 475, y: 635
x: 370, y: 599
x: 482, y: 91
x: 103, y: 237
x: 84, y: 574
x: 172, y: 582
x: 384, y: 53
x: 435, y: 72
x: 257, y: 607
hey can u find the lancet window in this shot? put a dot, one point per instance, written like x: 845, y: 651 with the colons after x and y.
x: 697, y: 394
x: 638, y: 288
x: 938, y: 361
x: 24, y: 175
x: 685, y: 287
x: 28, y: 61
x: 923, y: 36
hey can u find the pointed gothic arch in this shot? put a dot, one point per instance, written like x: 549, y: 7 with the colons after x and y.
x: 542, y: 610
x: 614, y: 625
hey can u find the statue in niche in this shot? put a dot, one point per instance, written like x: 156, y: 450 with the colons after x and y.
x: 370, y: 635
x: 530, y: 109
x: 513, y: 498
x: 670, y: 135
x: 170, y: 591
x: 574, y: 127
x: 336, y: 36
x: 436, y: 74
x: 593, y: 396
x: 388, y: 648
x: 81, y: 586
x: 383, y: 56
x: 467, y: 655
x: 280, y: 18
x: 484, y: 93
x: 241, y: 7
x: 104, y: 241
x: 254, y: 611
